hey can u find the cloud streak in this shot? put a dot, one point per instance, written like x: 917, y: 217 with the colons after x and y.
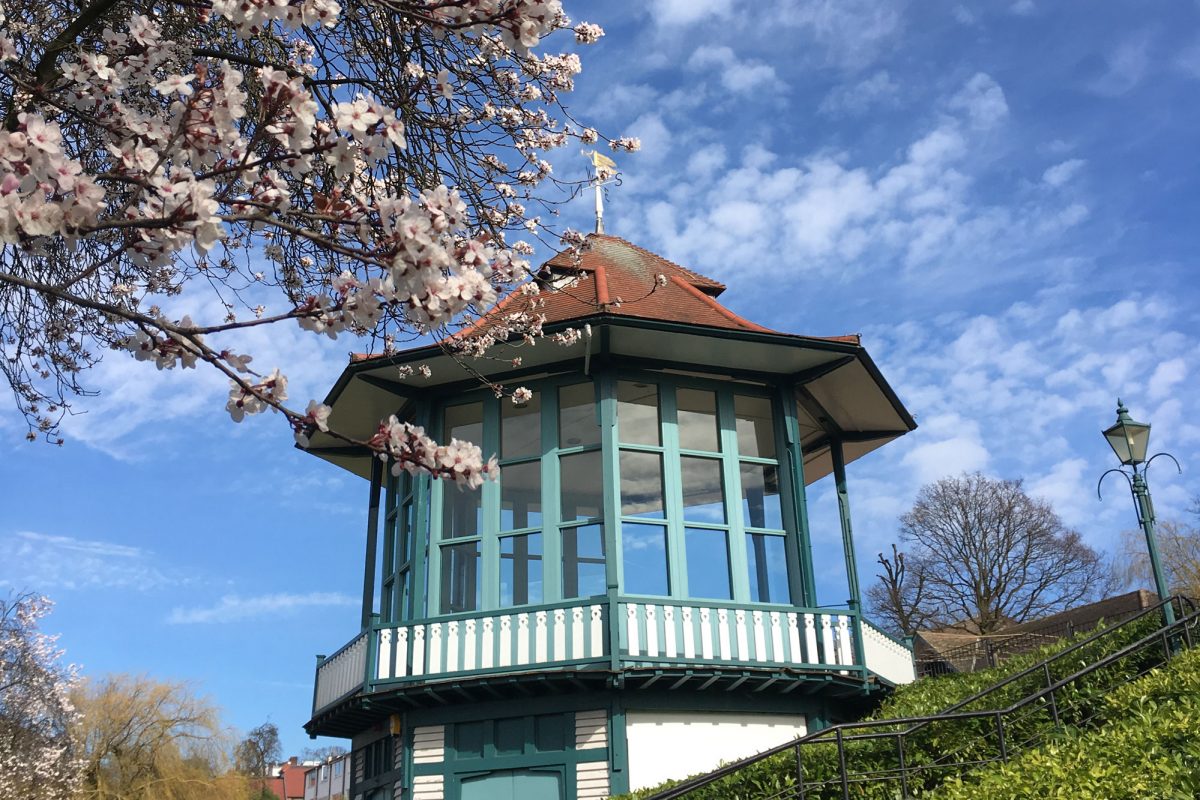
x: 236, y: 608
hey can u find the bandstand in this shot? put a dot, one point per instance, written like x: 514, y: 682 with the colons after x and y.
x: 635, y: 598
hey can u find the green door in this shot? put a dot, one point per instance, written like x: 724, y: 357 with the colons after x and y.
x: 517, y: 784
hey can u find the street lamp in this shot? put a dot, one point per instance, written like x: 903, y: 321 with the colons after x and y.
x: 1130, y: 440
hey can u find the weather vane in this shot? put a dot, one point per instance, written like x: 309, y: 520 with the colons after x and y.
x: 606, y: 170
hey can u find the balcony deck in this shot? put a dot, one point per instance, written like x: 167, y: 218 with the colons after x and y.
x: 576, y: 637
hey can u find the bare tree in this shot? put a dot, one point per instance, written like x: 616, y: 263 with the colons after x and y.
x: 259, y: 751
x: 900, y: 598
x: 991, y: 555
x: 37, y: 751
x: 1178, y: 550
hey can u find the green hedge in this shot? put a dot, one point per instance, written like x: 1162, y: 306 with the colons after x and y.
x: 1148, y: 750
x: 965, y: 739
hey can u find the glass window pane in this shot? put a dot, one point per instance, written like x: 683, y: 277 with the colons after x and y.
x: 697, y: 415
x: 703, y: 492
x: 760, y: 496
x: 637, y: 413
x: 521, y: 496
x: 521, y: 569
x: 460, y: 577
x: 464, y: 422
x: 404, y: 535
x: 642, y: 485
x: 583, y: 561
x: 521, y: 428
x: 644, y: 548
x: 766, y: 556
x: 580, y: 477
x: 577, y: 416
x: 462, y: 511
x: 755, y: 428
x: 708, y: 563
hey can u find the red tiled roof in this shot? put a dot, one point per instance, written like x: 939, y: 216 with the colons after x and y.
x: 613, y: 276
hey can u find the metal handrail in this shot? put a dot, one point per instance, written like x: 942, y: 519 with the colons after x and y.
x: 837, y: 735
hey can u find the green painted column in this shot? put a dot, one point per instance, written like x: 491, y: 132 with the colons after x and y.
x: 808, y: 587
x: 843, y: 497
x: 368, y: 602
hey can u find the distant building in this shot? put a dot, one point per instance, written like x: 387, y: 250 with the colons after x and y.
x: 328, y: 781
x: 287, y: 779
x: 956, y: 650
x: 635, y: 598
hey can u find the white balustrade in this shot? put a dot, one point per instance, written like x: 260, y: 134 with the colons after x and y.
x: 508, y: 641
x: 650, y: 632
x: 886, y: 657
x: 341, y: 673
x: 701, y: 633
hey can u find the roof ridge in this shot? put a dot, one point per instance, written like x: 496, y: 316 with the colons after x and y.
x: 714, y: 283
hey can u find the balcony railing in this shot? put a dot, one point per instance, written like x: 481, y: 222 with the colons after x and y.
x: 579, y: 634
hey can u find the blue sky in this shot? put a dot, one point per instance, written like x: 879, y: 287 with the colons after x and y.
x: 1001, y: 198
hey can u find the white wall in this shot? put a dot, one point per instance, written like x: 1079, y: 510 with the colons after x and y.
x: 675, y: 744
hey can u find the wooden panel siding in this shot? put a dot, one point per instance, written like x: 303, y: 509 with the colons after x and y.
x: 591, y: 730
x: 591, y: 780
x: 428, y: 787
x: 429, y: 744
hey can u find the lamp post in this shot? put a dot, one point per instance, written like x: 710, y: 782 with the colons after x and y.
x: 1130, y: 441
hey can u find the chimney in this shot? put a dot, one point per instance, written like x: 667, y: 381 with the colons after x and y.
x: 292, y: 761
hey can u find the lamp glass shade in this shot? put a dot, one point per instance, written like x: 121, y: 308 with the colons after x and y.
x: 1129, y: 440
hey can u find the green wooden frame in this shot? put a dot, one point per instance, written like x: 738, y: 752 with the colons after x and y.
x: 425, y: 567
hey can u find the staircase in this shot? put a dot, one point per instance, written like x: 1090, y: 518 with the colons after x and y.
x: 901, y: 758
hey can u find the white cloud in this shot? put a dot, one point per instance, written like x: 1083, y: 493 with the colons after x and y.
x: 235, y: 608
x: 706, y: 160
x: 1166, y: 377
x: 687, y: 12
x: 40, y: 561
x: 1188, y: 60
x: 982, y: 100
x: 1125, y: 66
x: 856, y: 99
x: 738, y: 76
x: 1023, y: 8
x: 1062, y: 172
x: 947, y: 444
x: 850, y: 33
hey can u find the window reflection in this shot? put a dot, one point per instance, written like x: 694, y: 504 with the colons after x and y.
x: 460, y: 577
x: 637, y: 413
x: 766, y: 559
x: 582, y: 482
x: 521, y: 428
x: 697, y: 417
x: 755, y: 428
x: 462, y: 511
x: 644, y: 548
x: 708, y: 563
x: 521, y: 496
x: 465, y: 423
x: 583, y: 561
x: 521, y: 569
x: 577, y: 416
x: 642, y: 485
x: 760, y: 496
x: 703, y: 491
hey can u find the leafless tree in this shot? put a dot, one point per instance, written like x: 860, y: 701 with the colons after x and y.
x: 900, y: 598
x: 258, y: 752
x: 1178, y: 550
x: 991, y: 555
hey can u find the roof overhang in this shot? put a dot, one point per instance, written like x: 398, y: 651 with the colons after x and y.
x: 841, y: 393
